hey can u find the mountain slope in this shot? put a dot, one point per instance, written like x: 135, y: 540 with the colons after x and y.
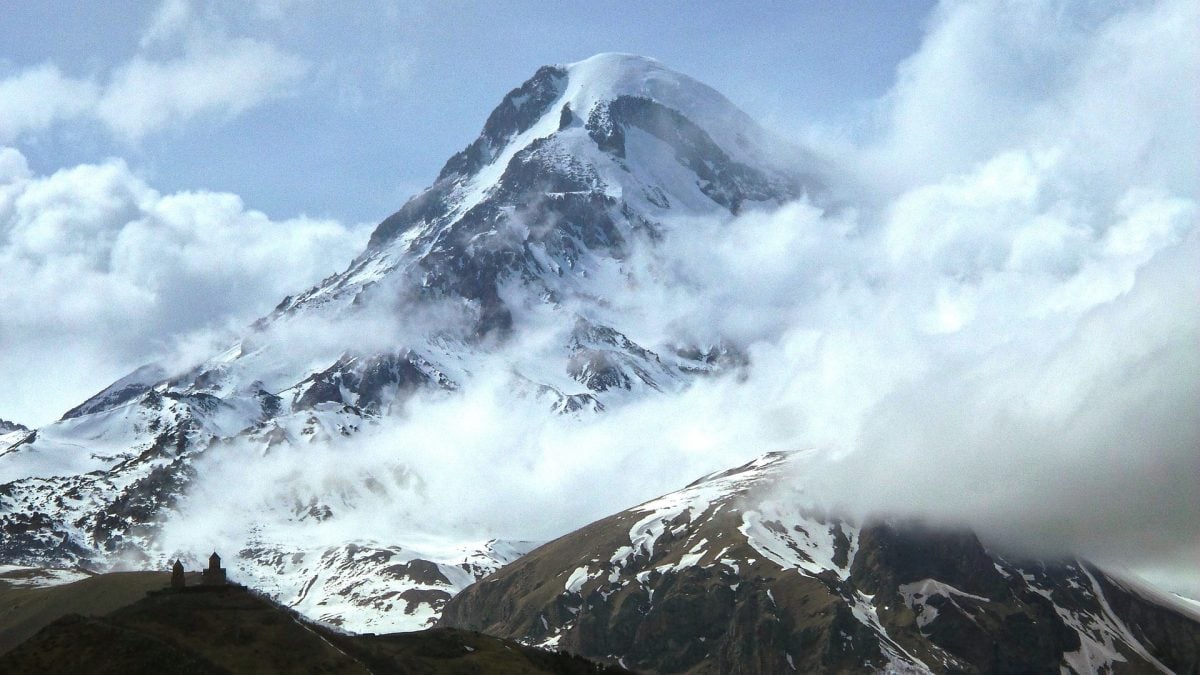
x: 30, y: 598
x: 734, y: 574
x: 515, y: 261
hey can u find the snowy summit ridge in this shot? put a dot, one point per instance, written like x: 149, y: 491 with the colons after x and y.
x: 586, y: 106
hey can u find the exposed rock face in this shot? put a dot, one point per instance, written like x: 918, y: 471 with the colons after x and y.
x: 732, y: 575
x: 370, y: 384
x: 137, y: 461
x: 724, y: 180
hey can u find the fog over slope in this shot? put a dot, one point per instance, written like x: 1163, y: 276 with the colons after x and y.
x: 997, y: 325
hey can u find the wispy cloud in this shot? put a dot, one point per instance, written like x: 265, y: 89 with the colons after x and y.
x: 37, y: 98
x: 170, y: 20
x: 223, y: 78
x: 187, y: 68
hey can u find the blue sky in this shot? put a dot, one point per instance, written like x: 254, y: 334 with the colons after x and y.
x: 362, y: 102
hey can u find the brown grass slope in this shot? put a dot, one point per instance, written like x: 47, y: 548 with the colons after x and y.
x: 232, y: 630
x: 24, y: 610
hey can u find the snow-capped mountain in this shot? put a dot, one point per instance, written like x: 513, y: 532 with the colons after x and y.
x: 734, y: 574
x: 522, y: 267
x: 526, y: 238
x: 523, y: 264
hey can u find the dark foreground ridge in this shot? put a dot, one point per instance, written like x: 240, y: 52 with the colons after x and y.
x: 229, y: 629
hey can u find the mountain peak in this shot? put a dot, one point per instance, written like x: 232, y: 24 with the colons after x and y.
x: 544, y: 104
x: 564, y: 130
x: 616, y: 60
x: 608, y: 76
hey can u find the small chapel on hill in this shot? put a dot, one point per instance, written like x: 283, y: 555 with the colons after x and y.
x: 214, y: 575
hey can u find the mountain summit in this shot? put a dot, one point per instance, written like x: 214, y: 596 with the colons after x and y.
x: 601, y: 125
x: 571, y: 170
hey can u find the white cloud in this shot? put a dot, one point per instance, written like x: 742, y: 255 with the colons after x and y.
x: 100, y: 273
x: 13, y: 166
x: 1040, y: 298
x: 187, y: 68
x: 226, y: 78
x: 1082, y: 77
x: 170, y: 20
x: 34, y: 99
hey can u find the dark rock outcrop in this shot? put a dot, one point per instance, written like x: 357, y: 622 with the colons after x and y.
x: 7, y: 427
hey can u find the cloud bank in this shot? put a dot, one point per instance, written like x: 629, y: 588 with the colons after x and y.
x: 100, y: 273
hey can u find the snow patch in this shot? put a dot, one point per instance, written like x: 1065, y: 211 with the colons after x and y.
x: 39, y: 577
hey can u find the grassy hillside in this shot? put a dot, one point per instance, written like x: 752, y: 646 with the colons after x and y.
x: 25, y: 608
x: 232, y: 630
